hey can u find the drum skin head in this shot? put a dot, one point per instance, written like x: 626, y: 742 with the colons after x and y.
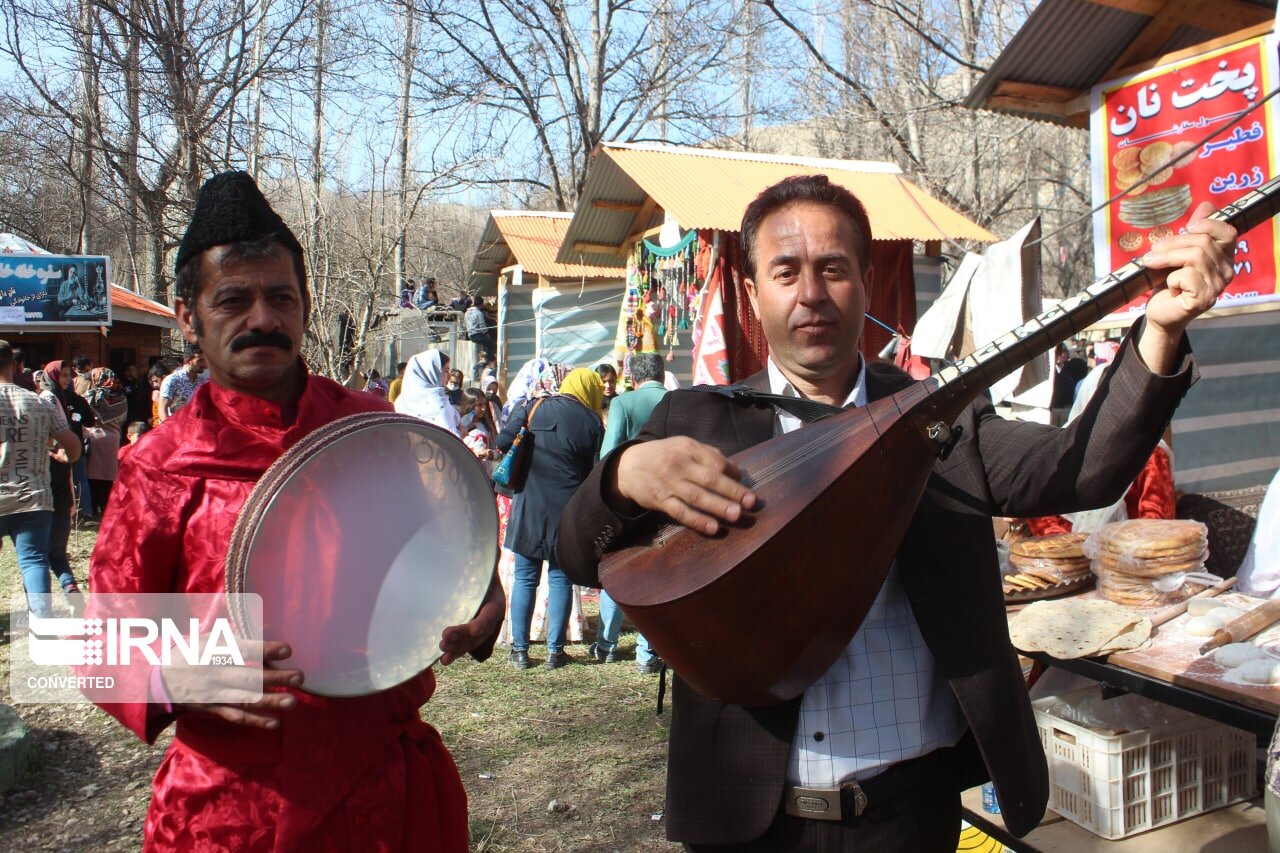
x: 365, y: 541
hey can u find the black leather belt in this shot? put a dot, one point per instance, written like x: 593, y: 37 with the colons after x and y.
x: 851, y: 799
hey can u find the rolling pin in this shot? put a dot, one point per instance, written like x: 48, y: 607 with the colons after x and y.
x: 1243, y: 627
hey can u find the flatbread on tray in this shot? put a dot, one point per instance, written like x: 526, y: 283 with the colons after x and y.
x: 1078, y: 628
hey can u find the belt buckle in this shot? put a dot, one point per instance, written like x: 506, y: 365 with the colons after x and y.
x: 825, y: 803
x: 813, y: 803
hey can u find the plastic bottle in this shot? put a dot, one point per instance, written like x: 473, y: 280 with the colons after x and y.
x: 990, y: 804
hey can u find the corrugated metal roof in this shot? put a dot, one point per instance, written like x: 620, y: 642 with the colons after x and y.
x: 1072, y: 44
x: 532, y: 238
x: 708, y: 189
x: 121, y: 298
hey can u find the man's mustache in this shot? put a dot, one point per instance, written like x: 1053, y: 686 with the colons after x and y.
x: 262, y: 339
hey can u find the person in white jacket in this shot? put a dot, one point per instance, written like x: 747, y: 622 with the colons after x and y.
x: 1259, y: 573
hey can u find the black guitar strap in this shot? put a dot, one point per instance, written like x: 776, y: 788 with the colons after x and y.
x: 805, y: 410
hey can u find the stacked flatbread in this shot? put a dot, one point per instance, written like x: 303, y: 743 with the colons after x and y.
x: 1047, y: 561
x: 1156, y: 207
x: 1139, y: 563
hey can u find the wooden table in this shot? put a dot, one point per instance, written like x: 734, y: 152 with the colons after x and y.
x: 1170, y: 671
x: 1173, y: 671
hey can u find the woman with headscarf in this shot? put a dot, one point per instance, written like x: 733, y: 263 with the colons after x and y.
x: 493, y: 396
x: 453, y: 387
x: 422, y: 394
x: 79, y: 417
x: 64, y: 502
x: 538, y: 377
x: 564, y: 434
x: 106, y: 397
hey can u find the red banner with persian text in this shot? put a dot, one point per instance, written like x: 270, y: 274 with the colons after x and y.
x: 1150, y: 154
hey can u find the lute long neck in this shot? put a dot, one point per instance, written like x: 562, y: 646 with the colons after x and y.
x: 959, y: 383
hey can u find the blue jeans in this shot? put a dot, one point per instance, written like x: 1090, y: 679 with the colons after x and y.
x: 524, y: 589
x: 80, y: 476
x: 59, y: 534
x: 611, y: 627
x: 30, y: 534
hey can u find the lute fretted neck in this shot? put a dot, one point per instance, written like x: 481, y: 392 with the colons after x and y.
x: 959, y: 383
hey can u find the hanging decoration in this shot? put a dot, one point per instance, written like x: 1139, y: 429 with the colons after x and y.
x: 659, y: 305
x: 710, y: 342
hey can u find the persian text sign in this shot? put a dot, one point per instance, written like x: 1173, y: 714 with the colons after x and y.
x: 55, y: 289
x: 1150, y: 126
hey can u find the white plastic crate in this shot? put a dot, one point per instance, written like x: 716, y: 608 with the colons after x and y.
x: 1119, y: 785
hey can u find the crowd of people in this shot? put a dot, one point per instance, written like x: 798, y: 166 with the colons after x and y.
x: 477, y: 321
x: 567, y: 411
x: 412, y: 296
x: 70, y: 424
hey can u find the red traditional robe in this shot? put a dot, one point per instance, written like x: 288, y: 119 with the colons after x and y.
x: 360, y: 773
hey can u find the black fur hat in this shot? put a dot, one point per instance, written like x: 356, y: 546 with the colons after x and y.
x: 231, y: 209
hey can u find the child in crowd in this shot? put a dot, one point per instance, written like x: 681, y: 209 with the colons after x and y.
x: 134, y: 431
x: 478, y: 429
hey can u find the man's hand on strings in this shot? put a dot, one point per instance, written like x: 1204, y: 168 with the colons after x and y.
x: 693, y: 483
x: 1200, y: 265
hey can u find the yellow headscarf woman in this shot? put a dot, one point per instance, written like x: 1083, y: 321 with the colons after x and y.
x: 585, y: 386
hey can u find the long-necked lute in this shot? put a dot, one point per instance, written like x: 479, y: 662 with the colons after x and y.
x: 857, y: 474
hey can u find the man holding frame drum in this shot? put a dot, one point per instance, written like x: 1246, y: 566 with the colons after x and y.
x: 928, y: 698
x: 292, y: 770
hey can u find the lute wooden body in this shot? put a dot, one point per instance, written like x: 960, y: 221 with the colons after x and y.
x: 856, y: 477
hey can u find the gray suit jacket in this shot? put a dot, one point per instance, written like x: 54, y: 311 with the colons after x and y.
x: 727, y: 764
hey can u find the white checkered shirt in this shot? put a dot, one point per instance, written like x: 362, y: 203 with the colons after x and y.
x: 882, y: 701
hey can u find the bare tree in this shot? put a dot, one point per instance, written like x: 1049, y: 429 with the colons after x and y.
x: 547, y: 80
x: 404, y: 129
x: 900, y: 74
x: 167, y: 78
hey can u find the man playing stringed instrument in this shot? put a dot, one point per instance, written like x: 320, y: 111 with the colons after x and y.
x: 293, y: 770
x: 927, y: 699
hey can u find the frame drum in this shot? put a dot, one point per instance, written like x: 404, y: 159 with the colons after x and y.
x: 365, y: 541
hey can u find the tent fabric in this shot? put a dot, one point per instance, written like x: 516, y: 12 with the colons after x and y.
x: 935, y: 333
x: 893, y: 294
x: 988, y: 296
x: 1004, y: 295
x: 708, y: 189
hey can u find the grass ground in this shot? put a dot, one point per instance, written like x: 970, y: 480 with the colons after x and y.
x: 585, y: 736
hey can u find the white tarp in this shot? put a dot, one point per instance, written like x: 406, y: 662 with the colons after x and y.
x: 988, y: 296
x: 576, y: 323
x: 935, y: 335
